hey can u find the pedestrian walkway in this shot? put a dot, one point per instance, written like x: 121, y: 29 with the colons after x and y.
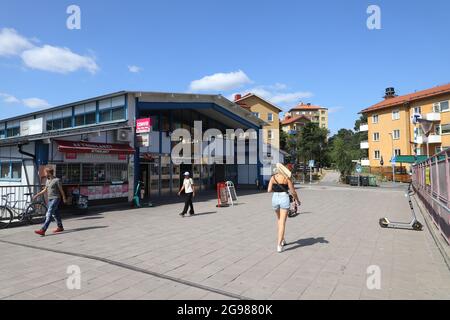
x: 230, y: 253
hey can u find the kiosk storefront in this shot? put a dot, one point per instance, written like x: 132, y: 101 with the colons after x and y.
x: 98, y: 170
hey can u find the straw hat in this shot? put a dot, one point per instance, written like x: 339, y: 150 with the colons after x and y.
x: 281, y: 169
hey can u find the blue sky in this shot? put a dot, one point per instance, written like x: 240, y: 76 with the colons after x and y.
x: 316, y: 51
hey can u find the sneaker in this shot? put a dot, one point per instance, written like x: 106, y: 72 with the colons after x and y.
x: 280, y: 249
x: 283, y: 243
x: 57, y: 230
x: 182, y: 214
x: 40, y: 232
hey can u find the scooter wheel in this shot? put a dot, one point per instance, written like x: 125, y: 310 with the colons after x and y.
x: 383, y: 223
x: 417, y: 226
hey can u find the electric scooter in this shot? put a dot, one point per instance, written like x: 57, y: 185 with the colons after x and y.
x: 414, y: 224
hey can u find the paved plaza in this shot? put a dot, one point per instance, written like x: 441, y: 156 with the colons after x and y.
x: 230, y: 253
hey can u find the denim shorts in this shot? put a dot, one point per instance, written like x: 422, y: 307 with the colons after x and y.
x: 280, y: 200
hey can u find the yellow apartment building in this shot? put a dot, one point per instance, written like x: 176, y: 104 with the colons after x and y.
x: 391, y: 130
x: 265, y: 111
x: 316, y: 114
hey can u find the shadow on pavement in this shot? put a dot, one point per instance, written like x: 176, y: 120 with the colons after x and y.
x: 76, y: 230
x: 203, y: 213
x: 306, y: 242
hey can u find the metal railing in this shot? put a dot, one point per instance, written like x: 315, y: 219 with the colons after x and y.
x: 431, y: 179
x: 18, y: 197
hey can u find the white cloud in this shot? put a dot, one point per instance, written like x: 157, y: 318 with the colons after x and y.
x: 221, y: 82
x: 29, y: 102
x: 334, y: 110
x: 59, y: 60
x: 46, y: 57
x: 7, y: 98
x: 12, y: 43
x: 288, y: 98
x: 134, y: 69
x: 35, y: 103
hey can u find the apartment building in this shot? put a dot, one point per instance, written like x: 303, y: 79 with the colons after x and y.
x: 392, y: 131
x: 316, y: 114
x: 292, y: 125
x: 269, y: 113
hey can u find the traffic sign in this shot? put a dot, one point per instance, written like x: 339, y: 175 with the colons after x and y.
x: 358, y: 168
x: 311, y: 164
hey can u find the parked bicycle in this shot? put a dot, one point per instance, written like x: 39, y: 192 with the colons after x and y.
x: 29, y: 212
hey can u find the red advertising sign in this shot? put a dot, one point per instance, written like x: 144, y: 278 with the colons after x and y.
x: 143, y: 125
x: 71, y: 155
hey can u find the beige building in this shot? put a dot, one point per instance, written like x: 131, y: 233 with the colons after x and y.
x: 265, y: 111
x: 316, y: 114
x: 391, y: 130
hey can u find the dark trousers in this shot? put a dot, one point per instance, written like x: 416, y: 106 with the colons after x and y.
x: 188, y: 203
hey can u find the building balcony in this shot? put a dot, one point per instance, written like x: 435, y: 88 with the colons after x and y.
x: 433, y: 116
x: 433, y: 138
x: 365, y: 145
x: 365, y: 162
x: 364, y: 127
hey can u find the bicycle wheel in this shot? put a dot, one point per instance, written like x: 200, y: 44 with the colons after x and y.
x: 6, y: 217
x: 35, y: 212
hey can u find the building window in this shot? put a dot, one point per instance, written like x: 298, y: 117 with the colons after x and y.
x: 323, y: 119
x: 445, y: 128
x: 397, y: 152
x: 323, y: 112
x: 10, y: 170
x: 2, y: 134
x: 112, y: 109
x: 376, y: 136
x: 13, y: 132
x: 396, y: 134
x: 441, y: 106
x: 256, y: 114
x: 437, y: 130
x: 438, y: 149
x: 85, y: 114
x: 395, y: 115
x: 270, y: 117
x: 417, y: 110
x: 377, y: 155
x: 269, y: 134
x: 375, y: 118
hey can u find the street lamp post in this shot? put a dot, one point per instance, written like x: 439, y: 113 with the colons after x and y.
x: 392, y: 159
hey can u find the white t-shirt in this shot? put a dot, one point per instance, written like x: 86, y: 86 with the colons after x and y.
x: 188, y: 185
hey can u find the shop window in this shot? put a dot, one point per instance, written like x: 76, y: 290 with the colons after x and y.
x: 10, y: 170
x: 4, y: 170
x: 2, y: 134
x: 16, y: 170
x: 118, y: 172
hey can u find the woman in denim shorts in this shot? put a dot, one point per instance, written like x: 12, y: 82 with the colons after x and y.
x: 280, y: 184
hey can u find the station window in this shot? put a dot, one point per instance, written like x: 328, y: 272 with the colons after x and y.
x: 11, y: 170
x: 12, y: 132
x: 112, y: 109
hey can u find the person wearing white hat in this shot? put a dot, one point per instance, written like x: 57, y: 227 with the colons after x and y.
x: 189, y: 190
x: 280, y: 184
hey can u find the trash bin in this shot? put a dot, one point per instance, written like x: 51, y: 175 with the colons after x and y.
x: 372, y: 181
x: 364, y: 181
x: 354, y: 180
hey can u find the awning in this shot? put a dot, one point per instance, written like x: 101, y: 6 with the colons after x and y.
x: 93, y: 147
x: 409, y: 159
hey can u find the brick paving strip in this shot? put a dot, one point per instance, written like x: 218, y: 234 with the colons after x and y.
x: 133, y: 268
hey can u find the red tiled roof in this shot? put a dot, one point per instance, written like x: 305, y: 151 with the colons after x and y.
x: 391, y: 102
x: 290, y: 120
x: 306, y: 107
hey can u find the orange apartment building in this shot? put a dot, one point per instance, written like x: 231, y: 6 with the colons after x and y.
x: 391, y: 130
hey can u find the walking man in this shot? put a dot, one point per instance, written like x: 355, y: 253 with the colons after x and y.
x: 54, y: 191
x: 189, y: 190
